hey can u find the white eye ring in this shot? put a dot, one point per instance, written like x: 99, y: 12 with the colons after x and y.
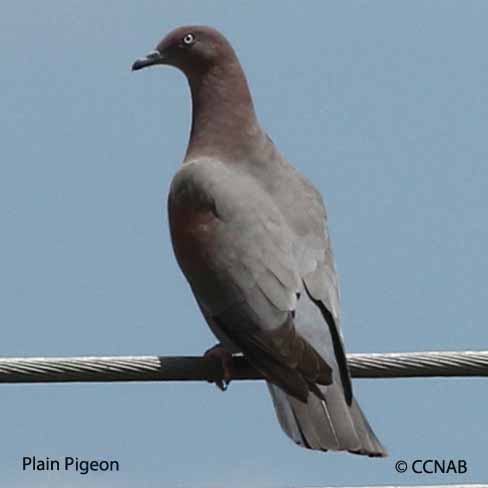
x: 189, y: 39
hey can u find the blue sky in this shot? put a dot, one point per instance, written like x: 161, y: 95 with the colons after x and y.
x: 383, y: 105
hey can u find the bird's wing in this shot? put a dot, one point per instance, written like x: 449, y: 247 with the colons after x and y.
x: 303, y: 210
x: 245, y: 249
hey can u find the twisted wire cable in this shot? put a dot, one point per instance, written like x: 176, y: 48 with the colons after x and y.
x: 187, y: 368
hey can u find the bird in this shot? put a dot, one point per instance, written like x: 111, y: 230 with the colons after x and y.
x: 249, y: 233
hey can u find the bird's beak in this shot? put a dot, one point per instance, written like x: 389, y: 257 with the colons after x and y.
x: 154, y: 57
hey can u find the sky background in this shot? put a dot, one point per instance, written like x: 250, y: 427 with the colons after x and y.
x: 383, y: 105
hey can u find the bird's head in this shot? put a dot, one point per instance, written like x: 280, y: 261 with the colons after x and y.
x: 192, y: 49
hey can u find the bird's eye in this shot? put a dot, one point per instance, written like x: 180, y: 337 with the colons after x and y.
x: 189, y: 39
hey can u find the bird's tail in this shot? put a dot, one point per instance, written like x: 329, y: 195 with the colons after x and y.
x: 323, y: 425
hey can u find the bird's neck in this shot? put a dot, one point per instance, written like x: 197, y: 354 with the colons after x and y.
x: 224, y: 122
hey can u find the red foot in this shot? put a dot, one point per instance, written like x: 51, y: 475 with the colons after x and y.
x: 220, y: 353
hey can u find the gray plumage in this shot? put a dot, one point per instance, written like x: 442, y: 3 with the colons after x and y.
x: 250, y: 234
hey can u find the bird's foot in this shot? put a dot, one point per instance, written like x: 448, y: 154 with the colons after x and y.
x: 221, y: 354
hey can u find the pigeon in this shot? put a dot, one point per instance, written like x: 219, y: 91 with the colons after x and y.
x: 250, y: 234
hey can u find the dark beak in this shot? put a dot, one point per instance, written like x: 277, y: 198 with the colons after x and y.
x: 154, y: 57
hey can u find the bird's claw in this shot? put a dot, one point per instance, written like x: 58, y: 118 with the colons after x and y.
x: 221, y: 354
